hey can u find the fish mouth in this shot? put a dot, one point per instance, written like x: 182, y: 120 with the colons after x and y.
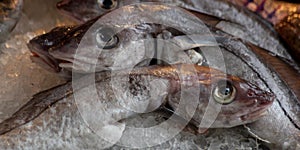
x: 263, y: 102
x: 259, y: 103
x: 255, y: 115
x: 56, y: 61
x: 44, y: 58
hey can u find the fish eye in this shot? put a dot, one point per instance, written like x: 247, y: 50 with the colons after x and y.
x: 106, y: 38
x: 224, y: 92
x: 107, y: 4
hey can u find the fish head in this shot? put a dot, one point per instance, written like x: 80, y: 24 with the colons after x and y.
x: 242, y: 102
x: 235, y: 100
x: 226, y: 100
x: 40, y: 46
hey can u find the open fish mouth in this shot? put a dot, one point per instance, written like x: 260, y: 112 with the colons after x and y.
x: 44, y: 58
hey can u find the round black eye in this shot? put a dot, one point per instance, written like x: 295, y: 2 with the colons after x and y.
x: 106, y: 38
x: 224, y: 92
x: 107, y: 4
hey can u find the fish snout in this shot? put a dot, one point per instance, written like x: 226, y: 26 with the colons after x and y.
x: 263, y: 98
x: 258, y: 105
x: 41, y: 56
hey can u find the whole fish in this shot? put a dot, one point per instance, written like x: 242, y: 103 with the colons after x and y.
x: 9, y: 16
x: 240, y: 102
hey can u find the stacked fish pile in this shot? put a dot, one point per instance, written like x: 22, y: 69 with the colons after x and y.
x: 197, y: 65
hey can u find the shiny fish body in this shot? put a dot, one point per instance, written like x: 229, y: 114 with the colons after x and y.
x: 54, y: 112
x: 10, y: 12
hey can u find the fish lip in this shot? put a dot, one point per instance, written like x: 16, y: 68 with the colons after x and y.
x: 49, y: 58
x: 263, y: 103
x: 255, y: 114
x: 44, y: 55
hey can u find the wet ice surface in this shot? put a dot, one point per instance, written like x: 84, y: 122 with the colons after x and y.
x: 62, y: 126
x: 20, y: 78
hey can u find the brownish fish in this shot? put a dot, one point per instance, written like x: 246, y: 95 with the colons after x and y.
x: 240, y: 101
